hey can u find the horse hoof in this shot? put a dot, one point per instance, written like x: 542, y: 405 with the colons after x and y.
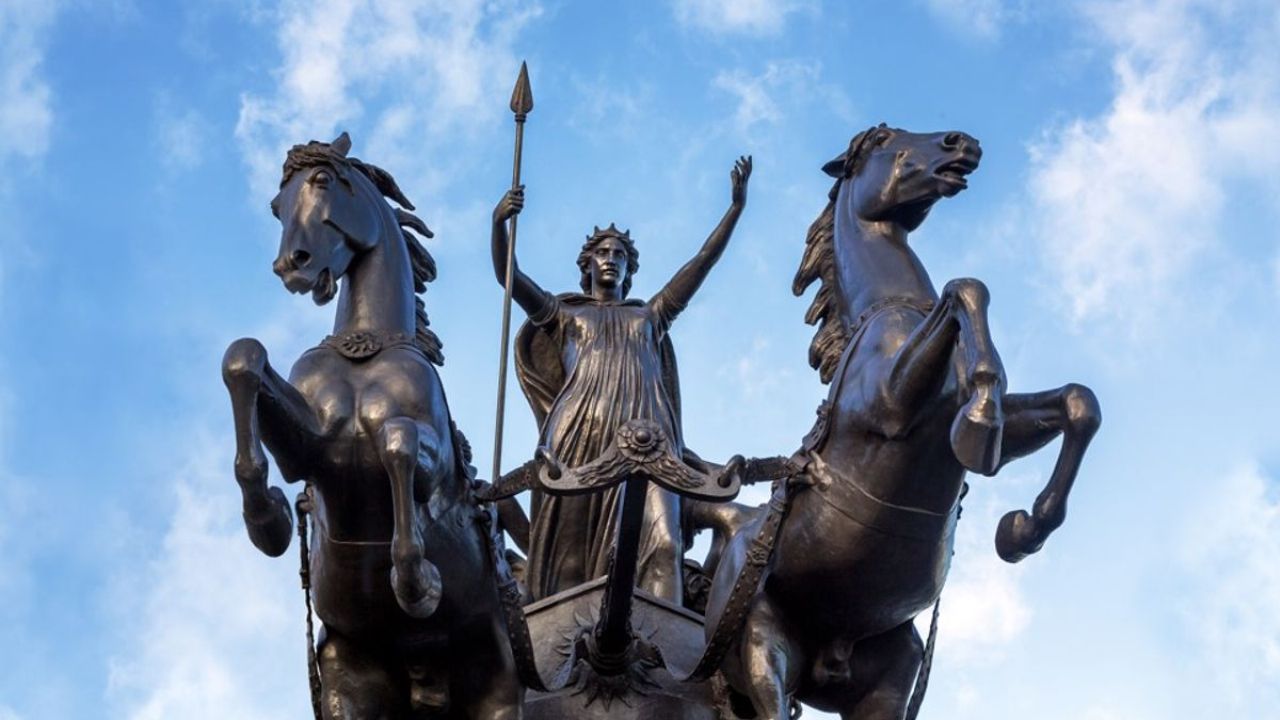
x: 271, y: 527
x: 1016, y: 536
x: 418, y: 596
x: 976, y: 434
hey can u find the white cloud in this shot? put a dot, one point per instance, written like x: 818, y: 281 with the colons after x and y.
x: 180, y: 137
x: 26, y: 115
x: 1128, y: 202
x: 428, y: 70
x: 984, y: 606
x: 783, y: 84
x: 977, y: 18
x: 1229, y: 550
x: 219, y: 627
x: 752, y: 17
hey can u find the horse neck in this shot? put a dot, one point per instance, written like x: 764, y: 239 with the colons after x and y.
x: 378, y: 293
x: 874, y: 262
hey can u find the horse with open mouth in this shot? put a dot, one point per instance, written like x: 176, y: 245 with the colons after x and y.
x: 867, y: 515
x: 401, y: 562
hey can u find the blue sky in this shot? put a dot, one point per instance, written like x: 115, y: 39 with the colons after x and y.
x: 1123, y: 218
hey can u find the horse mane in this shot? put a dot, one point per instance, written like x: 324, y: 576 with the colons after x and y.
x: 420, y: 260
x: 423, y: 265
x: 819, y: 264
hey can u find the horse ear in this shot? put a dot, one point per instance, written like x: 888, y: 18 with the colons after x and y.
x: 341, y: 144
x: 835, y: 168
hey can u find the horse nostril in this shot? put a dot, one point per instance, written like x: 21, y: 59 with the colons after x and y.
x: 952, y: 140
x: 300, y: 258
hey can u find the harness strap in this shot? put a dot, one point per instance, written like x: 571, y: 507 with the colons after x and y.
x: 847, y: 496
x: 509, y: 596
x: 511, y: 484
x: 926, y: 666
x: 747, y: 584
x: 303, y: 506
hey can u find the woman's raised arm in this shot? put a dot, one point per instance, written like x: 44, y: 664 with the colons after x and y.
x: 679, y: 290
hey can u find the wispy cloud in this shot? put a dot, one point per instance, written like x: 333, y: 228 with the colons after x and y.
x: 984, y: 605
x: 427, y: 69
x: 1229, y: 549
x: 751, y: 17
x: 218, y: 627
x: 982, y: 19
x: 1128, y: 201
x: 768, y: 97
x: 180, y: 136
x: 26, y: 112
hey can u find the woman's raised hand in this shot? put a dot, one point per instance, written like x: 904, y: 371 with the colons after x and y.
x: 740, y: 174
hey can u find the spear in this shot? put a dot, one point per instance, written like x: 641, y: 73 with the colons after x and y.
x: 521, y: 104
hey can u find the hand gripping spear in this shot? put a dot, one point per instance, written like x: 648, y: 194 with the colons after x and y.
x: 521, y: 104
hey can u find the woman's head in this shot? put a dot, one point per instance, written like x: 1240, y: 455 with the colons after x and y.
x: 608, y: 258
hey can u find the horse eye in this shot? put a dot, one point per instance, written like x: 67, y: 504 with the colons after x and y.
x: 321, y: 178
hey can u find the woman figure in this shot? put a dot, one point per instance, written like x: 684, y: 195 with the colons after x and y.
x: 589, y: 363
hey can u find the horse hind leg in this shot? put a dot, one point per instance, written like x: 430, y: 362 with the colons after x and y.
x: 267, y: 516
x: 884, y: 670
x: 978, y: 429
x: 415, y: 580
x: 358, y: 685
x: 1034, y: 420
x: 768, y: 662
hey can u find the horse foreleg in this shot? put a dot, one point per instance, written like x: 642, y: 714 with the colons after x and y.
x: 1034, y: 419
x: 919, y: 367
x: 404, y: 445
x: 267, y: 516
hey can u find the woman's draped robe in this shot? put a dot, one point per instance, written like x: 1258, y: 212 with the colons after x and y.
x: 587, y: 367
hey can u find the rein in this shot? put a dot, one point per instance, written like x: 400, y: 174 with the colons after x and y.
x: 303, y: 506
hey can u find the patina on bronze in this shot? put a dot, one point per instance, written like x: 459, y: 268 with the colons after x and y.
x: 917, y: 398
x: 401, y: 565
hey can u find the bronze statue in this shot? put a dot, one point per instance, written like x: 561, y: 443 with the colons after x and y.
x: 401, y: 563
x: 861, y: 529
x: 588, y: 363
x: 811, y: 598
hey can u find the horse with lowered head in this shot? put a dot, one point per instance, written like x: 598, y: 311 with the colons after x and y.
x: 402, y: 560
x: 917, y: 399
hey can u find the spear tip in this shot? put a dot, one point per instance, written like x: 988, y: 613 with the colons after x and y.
x: 522, y: 95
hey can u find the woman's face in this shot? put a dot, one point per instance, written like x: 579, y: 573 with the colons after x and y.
x: 608, y: 264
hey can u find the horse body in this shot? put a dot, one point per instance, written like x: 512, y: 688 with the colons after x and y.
x: 400, y: 570
x: 918, y: 398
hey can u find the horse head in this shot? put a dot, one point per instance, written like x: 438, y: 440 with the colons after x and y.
x: 332, y: 210
x: 896, y: 176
